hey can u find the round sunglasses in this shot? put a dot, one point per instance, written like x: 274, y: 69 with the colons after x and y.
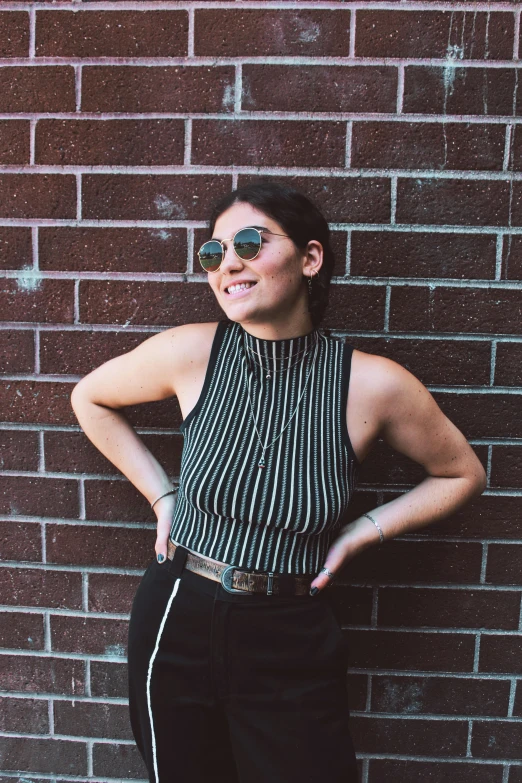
x: 246, y: 242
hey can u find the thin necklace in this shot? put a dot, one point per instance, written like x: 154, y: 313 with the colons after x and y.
x: 308, y: 349
x: 261, y: 463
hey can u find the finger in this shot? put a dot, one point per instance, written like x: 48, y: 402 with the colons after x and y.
x: 162, y: 538
x: 321, y: 581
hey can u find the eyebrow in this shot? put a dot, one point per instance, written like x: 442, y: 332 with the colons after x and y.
x: 261, y: 228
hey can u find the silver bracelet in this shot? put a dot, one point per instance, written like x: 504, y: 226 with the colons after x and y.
x: 381, y: 534
x: 162, y: 496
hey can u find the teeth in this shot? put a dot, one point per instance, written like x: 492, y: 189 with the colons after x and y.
x: 231, y: 289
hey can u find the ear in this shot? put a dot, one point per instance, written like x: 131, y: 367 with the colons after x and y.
x: 312, y: 258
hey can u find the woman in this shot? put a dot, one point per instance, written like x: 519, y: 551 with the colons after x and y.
x: 237, y: 663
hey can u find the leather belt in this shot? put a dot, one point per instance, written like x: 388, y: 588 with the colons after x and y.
x: 237, y: 580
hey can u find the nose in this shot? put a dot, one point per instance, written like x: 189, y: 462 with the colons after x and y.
x: 230, y: 259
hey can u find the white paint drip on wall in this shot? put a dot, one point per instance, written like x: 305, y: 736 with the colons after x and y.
x: 228, y: 97
x: 168, y: 208
x: 29, y: 279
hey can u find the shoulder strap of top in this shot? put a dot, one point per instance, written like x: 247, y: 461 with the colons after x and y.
x: 346, y: 366
x: 214, y: 351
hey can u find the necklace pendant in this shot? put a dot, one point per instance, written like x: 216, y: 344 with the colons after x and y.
x: 269, y: 376
x: 261, y: 462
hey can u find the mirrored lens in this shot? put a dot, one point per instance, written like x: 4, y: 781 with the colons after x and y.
x: 247, y: 243
x: 210, y: 255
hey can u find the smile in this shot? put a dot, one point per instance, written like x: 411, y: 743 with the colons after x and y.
x: 239, y: 291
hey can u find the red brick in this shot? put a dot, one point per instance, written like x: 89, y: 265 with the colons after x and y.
x: 112, y: 592
x: 155, y: 304
x: 512, y: 257
x: 500, y: 654
x: 20, y: 541
x: 488, y: 516
x: 79, y: 352
x: 21, y: 630
x: 93, y: 545
x: 16, y: 351
x: 439, y: 695
x: 116, y: 501
x: 187, y: 88
x: 438, y: 361
x: 43, y: 755
x: 93, y: 635
x: 503, y: 566
x: 27, y: 674
x: 151, y: 197
x: 412, y: 771
x: 387, y: 466
x: 37, y: 195
x: 91, y: 249
x: 253, y: 32
x: 266, y: 143
x: 342, y: 199
x: 87, y: 719
x: 483, y: 415
x: 496, y: 739
x: 19, y: 450
x: 14, y: 140
x: 38, y: 496
x: 47, y: 88
x: 37, y: 299
x: 450, y: 652
x: 16, y: 250
x: 318, y: 88
x: 109, y: 679
x: 36, y: 402
x: 35, y: 587
x: 449, y: 608
x: 355, y: 307
x: 111, y: 33
x: 454, y: 90
x: 14, y: 34
x: 110, y: 142
x: 452, y: 201
x: 409, y: 562
x: 423, y: 145
x: 407, y: 736
x: 448, y: 34
x: 471, y: 310
x: 506, y: 466
x: 29, y: 716
x: 422, y: 254
x: 508, y: 364
x: 72, y: 452
x: 118, y: 761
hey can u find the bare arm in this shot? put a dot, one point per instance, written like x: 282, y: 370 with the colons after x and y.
x: 145, y: 374
x: 403, y: 412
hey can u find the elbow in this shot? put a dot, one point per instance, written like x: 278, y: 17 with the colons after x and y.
x: 479, y: 481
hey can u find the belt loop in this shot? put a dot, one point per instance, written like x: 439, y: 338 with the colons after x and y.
x: 270, y: 583
x: 177, y: 564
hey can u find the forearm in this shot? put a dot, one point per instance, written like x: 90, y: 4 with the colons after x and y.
x: 435, y: 498
x: 111, y: 433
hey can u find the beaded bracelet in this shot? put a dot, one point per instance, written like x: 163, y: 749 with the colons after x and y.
x: 162, y: 496
x: 381, y: 534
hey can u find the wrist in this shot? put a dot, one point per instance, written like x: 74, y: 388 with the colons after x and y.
x: 362, y: 533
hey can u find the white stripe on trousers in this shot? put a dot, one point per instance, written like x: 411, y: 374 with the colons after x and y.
x: 149, y: 675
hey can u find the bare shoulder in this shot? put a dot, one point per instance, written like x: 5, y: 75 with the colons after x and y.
x: 379, y: 389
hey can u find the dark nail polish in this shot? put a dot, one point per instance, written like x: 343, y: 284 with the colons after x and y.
x: 161, y: 558
x: 314, y: 590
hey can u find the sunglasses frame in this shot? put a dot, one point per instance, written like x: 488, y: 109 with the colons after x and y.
x: 260, y: 231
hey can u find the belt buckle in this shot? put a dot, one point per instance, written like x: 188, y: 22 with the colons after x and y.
x: 226, y: 581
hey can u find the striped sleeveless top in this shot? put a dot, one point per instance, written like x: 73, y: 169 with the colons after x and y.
x: 281, y: 517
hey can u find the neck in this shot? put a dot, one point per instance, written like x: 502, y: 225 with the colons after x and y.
x: 273, y: 331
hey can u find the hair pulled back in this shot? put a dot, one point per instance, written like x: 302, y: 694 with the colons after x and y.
x: 299, y: 218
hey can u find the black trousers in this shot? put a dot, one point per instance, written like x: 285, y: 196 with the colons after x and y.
x: 236, y: 688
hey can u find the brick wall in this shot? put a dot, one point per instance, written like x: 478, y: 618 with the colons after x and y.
x: 121, y: 122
